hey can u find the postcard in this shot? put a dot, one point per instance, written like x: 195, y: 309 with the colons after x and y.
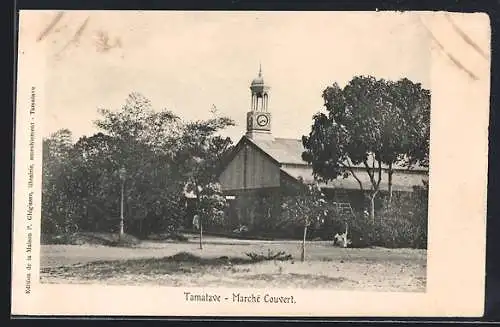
x: 250, y: 163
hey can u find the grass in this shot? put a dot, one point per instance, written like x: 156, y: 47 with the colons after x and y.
x: 224, y: 263
x: 83, y: 238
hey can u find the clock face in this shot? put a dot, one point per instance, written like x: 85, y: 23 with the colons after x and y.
x: 262, y: 120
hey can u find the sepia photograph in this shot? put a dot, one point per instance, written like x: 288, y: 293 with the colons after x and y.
x: 233, y: 150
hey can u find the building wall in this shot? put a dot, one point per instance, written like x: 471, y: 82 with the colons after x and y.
x: 401, y: 180
x: 250, y: 169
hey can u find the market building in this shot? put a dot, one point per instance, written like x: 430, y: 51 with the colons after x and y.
x: 261, y: 167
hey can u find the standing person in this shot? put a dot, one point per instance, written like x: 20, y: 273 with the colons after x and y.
x: 196, y: 222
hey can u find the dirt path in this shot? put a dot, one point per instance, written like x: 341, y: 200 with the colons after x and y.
x: 326, y: 267
x: 62, y: 255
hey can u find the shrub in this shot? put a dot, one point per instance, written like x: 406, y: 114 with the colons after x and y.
x: 394, y: 232
x: 173, y: 236
x: 401, y: 224
x: 124, y: 240
x: 279, y: 256
x: 361, y: 232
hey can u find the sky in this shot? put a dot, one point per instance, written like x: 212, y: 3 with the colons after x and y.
x: 189, y: 61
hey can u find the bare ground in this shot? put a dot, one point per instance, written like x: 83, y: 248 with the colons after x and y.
x: 151, y: 263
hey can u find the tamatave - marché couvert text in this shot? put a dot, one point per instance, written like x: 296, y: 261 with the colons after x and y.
x: 237, y: 297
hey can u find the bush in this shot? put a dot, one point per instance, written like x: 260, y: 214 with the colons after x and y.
x: 172, y: 236
x: 395, y: 232
x: 89, y: 238
x: 125, y: 240
x: 401, y: 224
x: 279, y: 256
x: 361, y: 232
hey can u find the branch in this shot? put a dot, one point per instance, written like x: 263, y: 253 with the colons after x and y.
x: 370, y: 173
x: 379, y: 174
x: 353, y: 174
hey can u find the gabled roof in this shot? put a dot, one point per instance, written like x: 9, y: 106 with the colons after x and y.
x: 287, y: 154
x: 285, y: 151
x: 289, y: 151
x: 232, y: 153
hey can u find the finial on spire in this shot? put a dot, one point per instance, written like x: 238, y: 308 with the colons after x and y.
x: 260, y: 69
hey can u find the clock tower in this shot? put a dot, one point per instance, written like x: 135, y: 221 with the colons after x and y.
x: 259, y: 117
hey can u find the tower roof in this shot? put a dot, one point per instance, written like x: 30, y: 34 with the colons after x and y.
x: 259, y: 80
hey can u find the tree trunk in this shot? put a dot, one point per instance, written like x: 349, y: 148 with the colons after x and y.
x: 122, y: 230
x: 346, y: 234
x: 389, y: 173
x: 372, y: 206
x: 201, y: 233
x: 303, y: 255
x: 198, y: 212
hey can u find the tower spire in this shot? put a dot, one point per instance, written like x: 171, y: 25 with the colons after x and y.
x: 259, y: 117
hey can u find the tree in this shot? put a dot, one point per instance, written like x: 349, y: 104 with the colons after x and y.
x: 406, y: 136
x: 211, y: 206
x: 162, y: 156
x: 305, y: 207
x: 201, y: 150
x: 93, y: 168
x: 138, y: 121
x: 348, y: 135
x: 58, y: 208
x: 147, y: 141
x: 368, y: 124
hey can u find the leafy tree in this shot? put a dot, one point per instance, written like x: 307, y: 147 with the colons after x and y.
x: 93, y: 165
x: 58, y: 209
x: 162, y: 157
x: 198, y: 158
x: 406, y: 137
x: 306, y: 207
x: 82, y: 182
x: 370, y: 124
x: 146, y: 142
x: 137, y: 121
x: 210, y: 206
x: 59, y: 144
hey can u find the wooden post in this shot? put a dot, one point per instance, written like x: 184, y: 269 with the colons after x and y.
x: 201, y: 232
x: 122, y: 231
x: 303, y: 255
x: 390, y: 172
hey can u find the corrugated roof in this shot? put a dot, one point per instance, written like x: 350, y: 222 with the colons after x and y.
x: 306, y: 173
x: 289, y: 151
x: 283, y: 150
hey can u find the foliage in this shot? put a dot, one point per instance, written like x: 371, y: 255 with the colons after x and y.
x: 82, y: 184
x: 58, y: 207
x: 198, y: 158
x: 201, y: 149
x: 211, y: 204
x: 369, y: 123
x: 278, y: 256
x: 404, y: 222
x: 93, y: 238
x: 174, y: 236
x: 401, y: 224
x: 139, y: 123
x: 307, y: 207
